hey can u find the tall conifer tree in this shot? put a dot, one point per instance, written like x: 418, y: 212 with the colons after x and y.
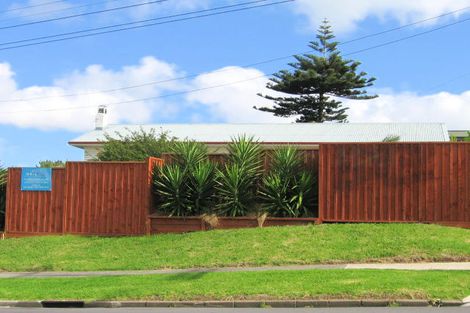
x: 317, y: 82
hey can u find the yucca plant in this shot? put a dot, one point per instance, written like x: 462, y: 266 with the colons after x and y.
x: 304, y: 195
x: 201, y: 187
x: 170, y: 183
x: 189, y: 154
x: 235, y: 190
x: 275, y: 195
x: 187, y: 186
x: 286, y: 161
x: 237, y: 181
x: 288, y: 190
x: 246, y: 152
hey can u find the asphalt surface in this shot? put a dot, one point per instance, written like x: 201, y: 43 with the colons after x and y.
x: 218, y: 310
x: 461, y: 266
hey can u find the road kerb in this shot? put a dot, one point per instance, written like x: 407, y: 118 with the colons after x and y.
x: 304, y: 303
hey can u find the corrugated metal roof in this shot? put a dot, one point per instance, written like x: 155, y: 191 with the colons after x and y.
x: 284, y: 133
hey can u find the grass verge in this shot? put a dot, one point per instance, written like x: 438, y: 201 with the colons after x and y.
x: 334, y: 243
x: 311, y: 284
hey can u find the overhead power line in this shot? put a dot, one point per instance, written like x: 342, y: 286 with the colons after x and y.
x: 407, y: 37
x: 223, y: 70
x: 406, y: 25
x: 31, y: 6
x: 210, y: 87
x: 143, y: 99
x: 99, y: 30
x: 95, y: 3
x: 60, y: 18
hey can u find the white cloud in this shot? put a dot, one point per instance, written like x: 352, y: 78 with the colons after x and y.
x: 346, y: 14
x: 452, y: 109
x: 93, y: 78
x: 233, y: 103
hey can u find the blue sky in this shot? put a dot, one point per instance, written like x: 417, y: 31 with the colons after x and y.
x: 424, y: 79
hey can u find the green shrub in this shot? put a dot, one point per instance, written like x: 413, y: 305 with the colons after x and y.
x: 186, y: 187
x: 188, y: 154
x: 171, y: 186
x: 287, y: 190
x: 201, y: 185
x: 135, y: 146
x: 236, y: 193
x: 238, y: 180
x: 246, y: 152
x: 51, y: 164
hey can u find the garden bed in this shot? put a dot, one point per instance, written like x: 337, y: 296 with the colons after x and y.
x: 176, y: 224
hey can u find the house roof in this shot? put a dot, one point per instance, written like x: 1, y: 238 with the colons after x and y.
x: 300, y: 133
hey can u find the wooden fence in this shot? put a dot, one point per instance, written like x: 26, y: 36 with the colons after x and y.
x: 89, y: 198
x: 34, y: 212
x: 358, y: 182
x: 395, y: 182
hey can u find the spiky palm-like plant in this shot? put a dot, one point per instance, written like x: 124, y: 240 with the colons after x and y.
x: 189, y: 154
x: 246, y: 152
x: 287, y: 191
x: 274, y: 194
x: 187, y: 186
x: 286, y: 160
x: 235, y: 190
x: 170, y: 184
x: 237, y: 181
x: 201, y: 187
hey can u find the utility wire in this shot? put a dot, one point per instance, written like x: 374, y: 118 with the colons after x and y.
x: 95, y: 3
x: 144, y: 99
x: 228, y: 69
x: 405, y: 26
x: 133, y: 23
x: 130, y: 6
x: 407, y: 37
x: 31, y: 6
x: 227, y: 84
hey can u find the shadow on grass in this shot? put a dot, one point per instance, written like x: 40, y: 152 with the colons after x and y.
x: 185, y: 276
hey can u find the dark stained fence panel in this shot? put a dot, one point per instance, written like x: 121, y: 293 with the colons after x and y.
x: 108, y: 198
x: 36, y: 212
x: 395, y: 182
x: 88, y: 198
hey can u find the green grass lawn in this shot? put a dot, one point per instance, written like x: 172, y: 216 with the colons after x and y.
x: 312, y: 284
x: 334, y: 243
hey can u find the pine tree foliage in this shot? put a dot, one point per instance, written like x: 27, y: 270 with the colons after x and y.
x: 313, y: 88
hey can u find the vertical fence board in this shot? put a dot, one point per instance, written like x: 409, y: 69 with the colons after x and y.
x: 405, y: 182
x: 89, y: 198
x: 34, y: 211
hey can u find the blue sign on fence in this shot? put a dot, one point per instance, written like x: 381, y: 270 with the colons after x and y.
x: 36, y: 179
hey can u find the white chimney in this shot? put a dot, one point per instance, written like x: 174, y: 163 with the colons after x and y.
x: 101, y: 119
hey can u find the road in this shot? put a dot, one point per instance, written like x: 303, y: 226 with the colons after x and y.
x: 219, y: 310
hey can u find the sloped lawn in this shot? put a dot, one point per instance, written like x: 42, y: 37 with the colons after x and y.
x: 334, y: 243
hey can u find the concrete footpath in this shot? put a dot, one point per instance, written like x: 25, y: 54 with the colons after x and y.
x: 452, y: 266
